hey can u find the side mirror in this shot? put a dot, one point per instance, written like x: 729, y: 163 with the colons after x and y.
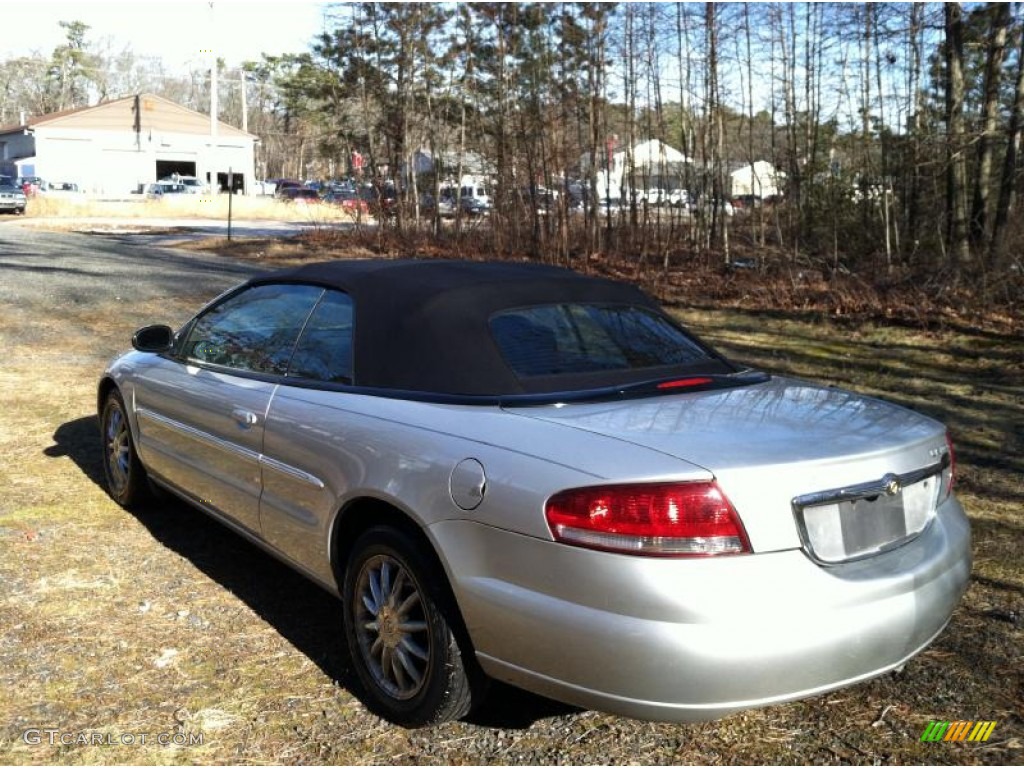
x: 153, y: 338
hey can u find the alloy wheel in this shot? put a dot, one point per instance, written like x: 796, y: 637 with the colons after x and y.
x: 119, y: 447
x: 391, y: 627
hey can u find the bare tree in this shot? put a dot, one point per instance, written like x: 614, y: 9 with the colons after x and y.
x: 956, y: 170
x: 999, y: 22
x: 916, y: 122
x: 1008, y: 179
x: 595, y: 34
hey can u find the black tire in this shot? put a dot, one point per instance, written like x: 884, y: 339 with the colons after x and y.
x: 126, y: 477
x: 402, y: 629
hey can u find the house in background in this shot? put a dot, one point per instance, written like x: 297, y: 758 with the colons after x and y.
x: 759, y: 179
x: 649, y: 165
x: 117, y: 147
x: 470, y: 163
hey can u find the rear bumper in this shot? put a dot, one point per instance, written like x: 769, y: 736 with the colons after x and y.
x: 684, y: 640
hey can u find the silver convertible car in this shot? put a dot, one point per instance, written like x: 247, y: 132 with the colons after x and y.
x: 516, y: 472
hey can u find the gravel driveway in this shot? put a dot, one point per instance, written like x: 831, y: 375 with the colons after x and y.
x: 45, y: 270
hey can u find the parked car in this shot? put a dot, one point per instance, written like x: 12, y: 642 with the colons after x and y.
x: 475, y: 198
x: 12, y: 199
x: 65, y: 188
x: 382, y: 200
x: 579, y: 195
x: 161, y: 190
x: 746, y: 202
x: 707, y: 205
x: 652, y: 196
x: 31, y: 185
x: 445, y: 205
x: 280, y: 185
x: 193, y: 186
x: 348, y: 200
x: 680, y: 198
x: 301, y: 195
x: 544, y: 200
x: 475, y: 206
x: 514, y: 471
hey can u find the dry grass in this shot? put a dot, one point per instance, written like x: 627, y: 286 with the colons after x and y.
x: 162, y: 622
x: 57, y: 207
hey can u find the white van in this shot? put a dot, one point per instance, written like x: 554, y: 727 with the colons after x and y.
x: 474, y: 196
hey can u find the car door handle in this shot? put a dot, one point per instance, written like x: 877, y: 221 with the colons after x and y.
x: 245, y: 418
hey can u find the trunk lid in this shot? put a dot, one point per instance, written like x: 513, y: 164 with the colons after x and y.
x: 768, y: 444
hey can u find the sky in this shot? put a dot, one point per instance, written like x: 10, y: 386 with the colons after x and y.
x: 177, y: 31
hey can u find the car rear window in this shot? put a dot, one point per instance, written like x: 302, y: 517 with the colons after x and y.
x: 583, y: 338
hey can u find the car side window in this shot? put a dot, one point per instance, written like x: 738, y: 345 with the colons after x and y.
x: 254, y: 330
x: 324, y: 351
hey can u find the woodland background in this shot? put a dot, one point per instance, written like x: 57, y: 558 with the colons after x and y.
x: 897, y: 125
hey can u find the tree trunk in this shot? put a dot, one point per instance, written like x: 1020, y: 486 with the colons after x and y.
x: 719, y: 221
x: 1007, y: 186
x: 916, y: 96
x: 629, y: 53
x: 595, y: 33
x: 999, y: 14
x: 956, y: 172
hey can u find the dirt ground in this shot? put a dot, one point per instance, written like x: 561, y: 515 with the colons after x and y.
x: 161, y: 638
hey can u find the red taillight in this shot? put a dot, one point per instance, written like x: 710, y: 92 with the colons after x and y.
x: 659, y: 519
x: 949, y: 473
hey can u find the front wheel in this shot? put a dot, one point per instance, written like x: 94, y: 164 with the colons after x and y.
x: 400, y: 626
x: 126, y: 477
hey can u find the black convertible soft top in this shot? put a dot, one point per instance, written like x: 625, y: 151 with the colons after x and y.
x: 421, y: 326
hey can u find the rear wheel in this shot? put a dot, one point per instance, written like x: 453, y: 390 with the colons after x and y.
x: 400, y: 625
x: 126, y: 477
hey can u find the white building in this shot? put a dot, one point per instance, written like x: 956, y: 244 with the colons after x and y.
x: 116, y: 147
x: 654, y: 164
x: 759, y: 179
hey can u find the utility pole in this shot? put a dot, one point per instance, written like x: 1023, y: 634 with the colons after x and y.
x: 245, y: 104
x: 214, y: 108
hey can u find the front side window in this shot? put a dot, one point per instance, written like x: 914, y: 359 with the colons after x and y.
x: 585, y: 338
x: 254, y: 330
x: 324, y: 351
